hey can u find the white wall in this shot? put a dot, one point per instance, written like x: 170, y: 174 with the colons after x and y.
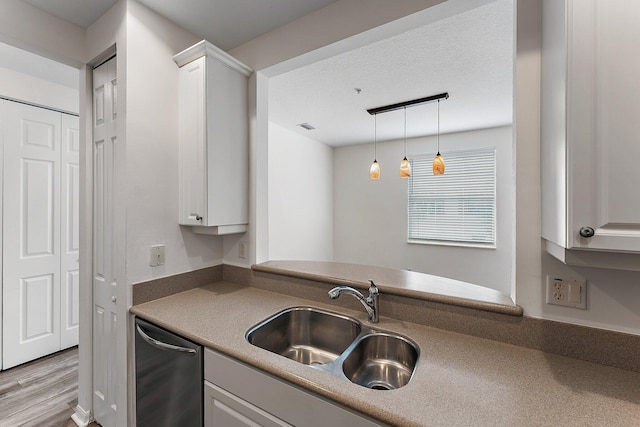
x: 146, y: 172
x: 327, y: 26
x: 19, y: 86
x: 29, y: 28
x: 300, y: 197
x: 152, y: 151
x: 613, y: 295
x: 371, y: 216
x: 337, y: 28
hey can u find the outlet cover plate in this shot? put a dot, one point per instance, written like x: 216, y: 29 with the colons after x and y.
x: 567, y: 291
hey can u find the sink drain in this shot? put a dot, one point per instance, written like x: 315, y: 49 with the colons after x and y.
x: 379, y: 385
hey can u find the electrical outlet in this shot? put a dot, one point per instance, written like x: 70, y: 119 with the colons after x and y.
x: 156, y: 255
x: 242, y: 250
x: 567, y: 291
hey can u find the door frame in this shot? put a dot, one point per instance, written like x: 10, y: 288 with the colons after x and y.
x: 2, y: 117
x: 84, y: 410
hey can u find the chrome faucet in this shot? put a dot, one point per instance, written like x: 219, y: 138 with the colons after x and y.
x: 370, y: 303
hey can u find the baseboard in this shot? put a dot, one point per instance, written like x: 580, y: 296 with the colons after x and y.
x: 81, y: 417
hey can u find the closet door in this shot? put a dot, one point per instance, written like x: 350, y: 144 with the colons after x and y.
x: 31, y: 254
x: 69, y: 232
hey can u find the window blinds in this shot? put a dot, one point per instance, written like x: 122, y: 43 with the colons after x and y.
x: 457, y: 208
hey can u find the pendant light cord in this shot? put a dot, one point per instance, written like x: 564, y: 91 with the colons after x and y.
x: 405, y: 132
x: 375, y: 137
x: 438, y: 127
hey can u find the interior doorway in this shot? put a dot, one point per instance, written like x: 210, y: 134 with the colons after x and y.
x: 40, y: 232
x: 39, y: 176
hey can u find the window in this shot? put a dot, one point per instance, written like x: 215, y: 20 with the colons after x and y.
x: 457, y: 208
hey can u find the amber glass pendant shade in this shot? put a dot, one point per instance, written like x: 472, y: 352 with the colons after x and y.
x: 405, y: 168
x: 374, y: 170
x: 438, y: 165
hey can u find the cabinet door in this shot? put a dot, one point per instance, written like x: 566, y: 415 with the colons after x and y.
x: 69, y: 232
x: 192, y: 151
x: 223, y: 409
x: 603, y: 107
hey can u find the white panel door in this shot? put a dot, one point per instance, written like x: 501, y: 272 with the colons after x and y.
x: 69, y: 232
x: 3, y: 109
x: 104, y: 277
x: 31, y: 255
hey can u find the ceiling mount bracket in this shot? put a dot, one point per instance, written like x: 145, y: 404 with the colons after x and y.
x: 405, y: 104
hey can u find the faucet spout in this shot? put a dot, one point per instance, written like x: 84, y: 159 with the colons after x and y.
x: 369, y: 303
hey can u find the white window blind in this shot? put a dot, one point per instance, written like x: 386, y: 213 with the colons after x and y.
x: 457, y: 208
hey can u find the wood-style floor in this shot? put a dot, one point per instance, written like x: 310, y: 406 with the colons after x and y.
x: 40, y: 393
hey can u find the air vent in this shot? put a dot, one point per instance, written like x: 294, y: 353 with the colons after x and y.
x: 306, y: 126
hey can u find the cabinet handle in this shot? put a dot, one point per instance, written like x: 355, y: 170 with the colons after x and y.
x: 198, y: 217
x: 587, y: 232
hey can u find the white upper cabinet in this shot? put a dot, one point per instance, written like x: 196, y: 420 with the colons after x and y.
x: 591, y: 132
x: 213, y: 140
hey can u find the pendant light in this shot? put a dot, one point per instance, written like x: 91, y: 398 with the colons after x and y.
x: 374, y: 170
x: 438, y: 162
x: 405, y: 166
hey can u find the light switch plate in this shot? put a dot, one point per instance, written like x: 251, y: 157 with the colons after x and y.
x: 567, y: 291
x: 156, y: 255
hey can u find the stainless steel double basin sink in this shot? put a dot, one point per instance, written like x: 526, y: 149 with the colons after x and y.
x: 339, y: 345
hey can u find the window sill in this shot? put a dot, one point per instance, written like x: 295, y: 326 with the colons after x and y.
x: 452, y: 244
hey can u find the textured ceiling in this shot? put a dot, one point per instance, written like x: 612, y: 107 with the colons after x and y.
x: 469, y: 55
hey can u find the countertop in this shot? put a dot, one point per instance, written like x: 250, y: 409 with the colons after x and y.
x: 406, y: 283
x: 459, y: 381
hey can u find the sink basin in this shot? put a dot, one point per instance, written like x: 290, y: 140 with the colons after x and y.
x: 306, y: 335
x: 339, y: 345
x: 381, y: 361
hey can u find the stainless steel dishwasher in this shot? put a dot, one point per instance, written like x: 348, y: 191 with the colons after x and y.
x: 169, y: 378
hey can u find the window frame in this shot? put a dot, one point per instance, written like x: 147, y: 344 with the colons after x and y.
x: 421, y: 164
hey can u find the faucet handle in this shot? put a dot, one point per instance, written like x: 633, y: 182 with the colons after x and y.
x: 373, y: 289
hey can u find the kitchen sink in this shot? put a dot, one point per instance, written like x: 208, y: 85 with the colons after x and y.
x: 339, y: 345
x: 381, y: 361
x: 306, y: 335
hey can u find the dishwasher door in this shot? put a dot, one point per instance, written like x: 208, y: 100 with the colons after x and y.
x: 169, y: 378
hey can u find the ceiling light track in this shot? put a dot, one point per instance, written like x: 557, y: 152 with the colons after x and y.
x: 405, y: 104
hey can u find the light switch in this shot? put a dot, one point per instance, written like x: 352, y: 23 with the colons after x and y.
x: 156, y: 255
x: 575, y: 293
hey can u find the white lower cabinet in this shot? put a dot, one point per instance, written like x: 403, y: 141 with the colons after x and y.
x: 240, y: 395
x: 223, y: 409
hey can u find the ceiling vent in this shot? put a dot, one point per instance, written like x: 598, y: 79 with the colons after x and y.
x: 306, y: 126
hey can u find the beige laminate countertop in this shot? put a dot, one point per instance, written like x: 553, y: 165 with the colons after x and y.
x: 396, y: 282
x: 459, y: 381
